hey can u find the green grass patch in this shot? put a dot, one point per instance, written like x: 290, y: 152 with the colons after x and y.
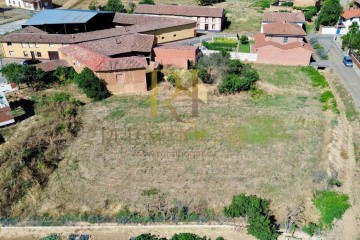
x: 245, y: 48
x: 332, y: 205
x: 317, y: 78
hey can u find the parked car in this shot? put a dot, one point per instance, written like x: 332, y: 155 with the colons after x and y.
x: 347, y: 61
x: 31, y: 61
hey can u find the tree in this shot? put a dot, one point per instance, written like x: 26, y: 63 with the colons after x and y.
x: 244, y: 39
x: 261, y: 224
x: 62, y: 74
x: 93, y: 5
x: 92, y: 86
x: 114, y: 6
x: 151, y: 2
x: 329, y: 13
x: 148, y: 236
x: 25, y: 74
x: 352, y: 38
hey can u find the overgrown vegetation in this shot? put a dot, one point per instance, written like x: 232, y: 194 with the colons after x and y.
x: 177, y: 236
x: 311, y: 229
x: 31, y: 158
x: 332, y: 205
x: 25, y: 74
x: 319, y: 49
x: 318, y: 80
x: 240, y: 78
x: 329, y: 101
x: 352, y: 38
x: 261, y: 224
x: 52, y: 236
x: 208, y: 2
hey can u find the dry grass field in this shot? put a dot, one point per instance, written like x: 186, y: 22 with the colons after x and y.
x: 269, y: 146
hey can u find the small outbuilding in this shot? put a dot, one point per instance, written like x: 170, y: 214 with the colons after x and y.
x: 176, y: 55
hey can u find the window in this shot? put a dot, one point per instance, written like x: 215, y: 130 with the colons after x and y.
x: 9, y: 43
x: 31, y: 44
x: 198, y: 26
x: 37, y: 45
x: 51, y: 45
x: 23, y: 45
x: 286, y: 39
x: 26, y: 54
x: 11, y: 53
x: 38, y: 54
x: 120, y: 78
x: 213, y: 19
x: 213, y: 26
x: 198, y: 19
x: 206, y: 19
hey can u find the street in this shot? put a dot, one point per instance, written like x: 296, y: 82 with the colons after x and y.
x: 348, y: 75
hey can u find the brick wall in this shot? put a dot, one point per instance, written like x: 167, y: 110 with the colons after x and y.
x: 273, y: 55
x: 175, y: 57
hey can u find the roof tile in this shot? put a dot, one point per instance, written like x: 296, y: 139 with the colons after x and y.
x: 284, y: 17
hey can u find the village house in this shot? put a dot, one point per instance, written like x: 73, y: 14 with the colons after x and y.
x: 176, y: 55
x: 282, y: 43
x: 208, y: 19
x: 348, y: 17
x: 30, y: 4
x: 42, y: 36
x: 294, y: 18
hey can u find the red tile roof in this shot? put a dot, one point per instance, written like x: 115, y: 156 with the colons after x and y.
x: 5, y: 115
x: 52, y: 65
x: 175, y: 10
x: 351, y: 13
x: 122, y: 44
x: 284, y: 17
x: 99, y: 63
x: 260, y: 41
x: 135, y: 24
x: 283, y: 29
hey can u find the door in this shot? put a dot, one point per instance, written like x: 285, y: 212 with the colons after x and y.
x: 32, y: 55
x: 53, y: 55
x: 206, y: 27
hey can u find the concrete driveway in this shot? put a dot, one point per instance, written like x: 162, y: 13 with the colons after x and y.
x: 348, y: 75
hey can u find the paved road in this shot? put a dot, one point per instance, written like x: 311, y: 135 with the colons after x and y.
x: 348, y: 75
x: 12, y: 26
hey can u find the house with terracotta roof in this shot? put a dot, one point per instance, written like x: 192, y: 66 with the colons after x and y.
x: 122, y: 75
x: 283, y: 44
x: 209, y: 19
x: 294, y: 18
x: 37, y: 39
x: 347, y: 18
x: 176, y: 55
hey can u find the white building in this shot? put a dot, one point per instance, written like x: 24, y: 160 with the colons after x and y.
x: 209, y: 19
x: 29, y: 4
x: 347, y: 18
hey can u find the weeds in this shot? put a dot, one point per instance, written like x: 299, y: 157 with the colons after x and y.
x: 318, y: 80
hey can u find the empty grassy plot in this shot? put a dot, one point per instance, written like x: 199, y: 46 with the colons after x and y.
x: 269, y: 146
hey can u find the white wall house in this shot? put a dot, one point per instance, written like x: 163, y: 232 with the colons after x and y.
x: 347, y: 18
x: 29, y: 4
x: 208, y: 19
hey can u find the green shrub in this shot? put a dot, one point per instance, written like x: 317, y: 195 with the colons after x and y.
x: 171, y: 79
x: 256, y: 93
x: 287, y: 4
x: 92, y: 86
x: 205, y: 76
x: 326, y: 96
x: 63, y: 74
x: 126, y: 216
x: 220, y: 46
x: 334, y: 182
x: 148, y: 236
x: 244, y: 39
x: 332, y: 205
x: 310, y: 229
x: 187, y: 236
x: 52, y: 236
